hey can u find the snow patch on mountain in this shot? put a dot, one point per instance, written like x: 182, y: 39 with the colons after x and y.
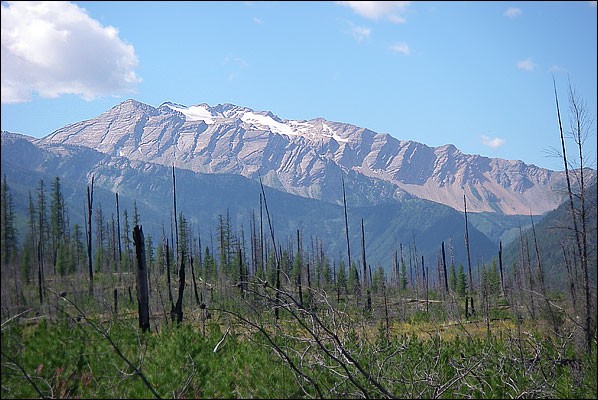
x: 331, y: 133
x: 195, y: 113
x: 267, y: 122
x: 309, y: 157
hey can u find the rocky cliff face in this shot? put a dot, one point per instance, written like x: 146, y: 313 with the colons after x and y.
x: 308, y: 158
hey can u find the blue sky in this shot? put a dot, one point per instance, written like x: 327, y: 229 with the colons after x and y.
x: 474, y: 74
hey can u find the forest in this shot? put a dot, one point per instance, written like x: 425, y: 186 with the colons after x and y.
x: 103, y: 310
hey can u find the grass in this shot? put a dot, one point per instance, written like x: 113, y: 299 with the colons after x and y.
x: 421, y: 355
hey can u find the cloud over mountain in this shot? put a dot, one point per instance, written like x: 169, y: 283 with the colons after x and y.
x: 55, y: 48
x: 390, y: 10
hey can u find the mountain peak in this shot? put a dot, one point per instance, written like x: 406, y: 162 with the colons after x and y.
x: 132, y: 104
x: 307, y: 158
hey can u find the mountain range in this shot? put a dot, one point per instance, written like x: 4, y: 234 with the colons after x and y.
x: 308, y: 158
x: 404, y: 191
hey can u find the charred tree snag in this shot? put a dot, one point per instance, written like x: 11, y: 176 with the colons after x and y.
x: 89, y: 240
x: 141, y: 275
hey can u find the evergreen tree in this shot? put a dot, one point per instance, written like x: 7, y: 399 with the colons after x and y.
x: 297, y: 269
x: 42, y: 225
x: 326, y: 271
x: 149, y: 252
x: 100, y: 239
x: 223, y: 239
x: 271, y: 268
x: 9, y: 232
x: 378, y: 280
x: 341, y: 277
x: 452, y: 278
x: 26, y: 264
x: 31, y: 240
x: 461, y: 281
x: 491, y: 279
x: 209, y: 266
x: 62, y: 259
x: 403, y: 278
x: 183, y: 238
x: 127, y: 256
x: 56, y: 221
x: 160, y: 266
x: 353, y: 284
x: 78, y: 247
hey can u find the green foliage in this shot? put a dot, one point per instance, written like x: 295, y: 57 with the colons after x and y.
x: 403, y: 275
x: 353, y: 279
x: 341, y: 277
x: 452, y: 278
x: 325, y: 272
x: 9, y: 233
x: 490, y: 280
x: 67, y: 357
x: 271, y: 268
x: 209, y: 266
x: 26, y: 264
x: 461, y: 281
x: 378, y: 280
x: 72, y: 360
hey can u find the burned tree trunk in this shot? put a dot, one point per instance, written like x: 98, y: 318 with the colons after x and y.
x: 276, y: 256
x: 425, y: 279
x: 194, y: 281
x: 346, y: 225
x: 502, y: 279
x: 470, y: 288
x: 366, y: 283
x: 177, y: 311
x: 89, y: 256
x: 446, y: 286
x: 141, y: 275
x: 118, y: 238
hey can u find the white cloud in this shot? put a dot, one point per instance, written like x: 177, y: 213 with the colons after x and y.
x: 526, y: 65
x: 492, y: 142
x: 257, y: 20
x: 401, y: 48
x: 236, y: 61
x: 593, y: 3
x: 557, y: 69
x: 55, y: 48
x: 360, y: 33
x: 375, y: 10
x: 513, y: 12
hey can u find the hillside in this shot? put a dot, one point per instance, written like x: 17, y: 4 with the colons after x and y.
x: 554, y: 235
x: 205, y: 197
x: 308, y: 158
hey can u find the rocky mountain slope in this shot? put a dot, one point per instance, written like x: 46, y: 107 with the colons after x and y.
x: 203, y: 198
x: 308, y: 158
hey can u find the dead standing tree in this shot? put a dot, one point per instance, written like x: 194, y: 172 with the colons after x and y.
x: 177, y: 310
x: 89, y: 257
x: 141, y: 275
x: 366, y: 283
x: 580, y: 126
x: 276, y: 256
x: 470, y: 286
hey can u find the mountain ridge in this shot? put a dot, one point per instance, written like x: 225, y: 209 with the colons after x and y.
x: 305, y: 157
x: 203, y: 197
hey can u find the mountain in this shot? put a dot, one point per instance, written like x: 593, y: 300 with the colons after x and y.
x: 203, y: 198
x: 308, y: 158
x: 405, y: 192
x: 555, y: 235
